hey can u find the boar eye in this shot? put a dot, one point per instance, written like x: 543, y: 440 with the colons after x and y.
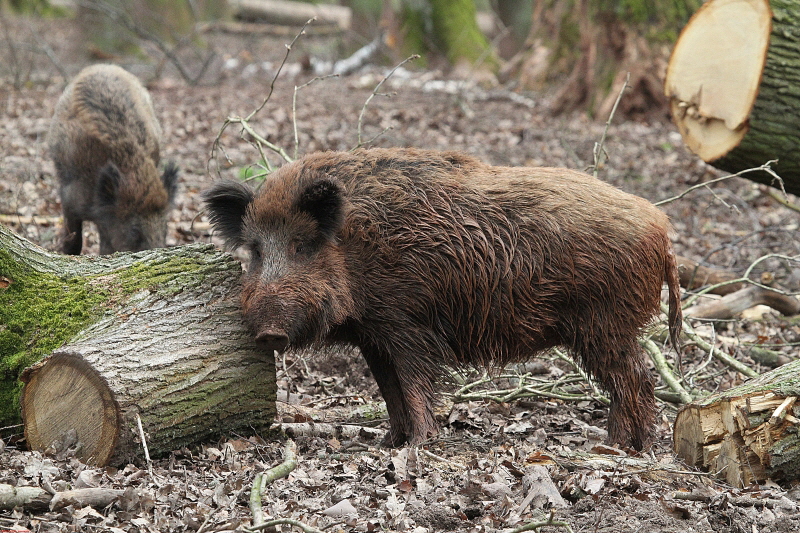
x: 298, y: 247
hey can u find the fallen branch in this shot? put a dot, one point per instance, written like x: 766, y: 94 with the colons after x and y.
x: 328, y: 431
x: 730, y: 305
x: 282, y: 470
x: 544, y: 523
x: 693, y: 275
x: 37, y: 499
x: 739, y: 501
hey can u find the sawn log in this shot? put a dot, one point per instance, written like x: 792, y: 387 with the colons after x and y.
x: 153, y: 336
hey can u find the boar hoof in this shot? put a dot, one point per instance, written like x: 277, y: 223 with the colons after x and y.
x: 273, y: 339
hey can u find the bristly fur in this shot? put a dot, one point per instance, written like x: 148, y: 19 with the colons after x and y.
x: 105, y: 142
x: 440, y: 260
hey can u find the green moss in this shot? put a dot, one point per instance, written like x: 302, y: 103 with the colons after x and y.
x: 161, y: 277
x: 39, y: 312
x: 458, y: 34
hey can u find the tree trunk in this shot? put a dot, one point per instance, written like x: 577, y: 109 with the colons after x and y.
x: 446, y: 26
x: 748, y: 433
x: 585, y: 49
x: 732, y: 83
x: 153, y: 336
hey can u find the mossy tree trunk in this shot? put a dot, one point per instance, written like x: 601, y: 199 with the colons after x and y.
x: 448, y: 27
x: 747, y: 433
x: 102, y: 343
x: 585, y: 49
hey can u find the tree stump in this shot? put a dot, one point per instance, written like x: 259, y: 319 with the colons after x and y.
x: 732, y: 84
x: 747, y: 433
x: 154, y: 337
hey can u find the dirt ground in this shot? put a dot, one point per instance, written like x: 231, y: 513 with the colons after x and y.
x: 484, y: 472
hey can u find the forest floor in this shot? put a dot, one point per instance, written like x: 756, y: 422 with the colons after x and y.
x: 489, y: 468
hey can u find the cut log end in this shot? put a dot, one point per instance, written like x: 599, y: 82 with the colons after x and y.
x: 65, y: 396
x: 711, y: 90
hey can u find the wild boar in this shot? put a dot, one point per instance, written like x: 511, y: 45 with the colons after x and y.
x: 426, y: 260
x: 104, y: 140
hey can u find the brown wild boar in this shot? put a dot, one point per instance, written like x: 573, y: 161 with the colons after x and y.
x: 426, y: 260
x: 104, y: 140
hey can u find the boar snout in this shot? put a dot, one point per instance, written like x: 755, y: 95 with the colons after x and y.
x: 273, y: 339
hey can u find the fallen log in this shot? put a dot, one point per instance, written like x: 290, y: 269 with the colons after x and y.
x: 107, y: 342
x: 745, y: 434
x: 731, y: 82
x: 289, y: 13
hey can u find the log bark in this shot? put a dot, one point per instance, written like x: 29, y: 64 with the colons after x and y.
x: 732, y: 83
x: 153, y: 336
x: 747, y: 433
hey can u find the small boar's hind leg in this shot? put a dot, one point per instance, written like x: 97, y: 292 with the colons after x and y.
x: 620, y: 369
x: 73, y: 235
x: 408, y: 400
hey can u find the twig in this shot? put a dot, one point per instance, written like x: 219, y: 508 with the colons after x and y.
x: 765, y: 168
x: 144, y: 445
x: 289, y: 521
x: 662, y: 367
x: 598, y: 150
x: 255, y: 501
x: 124, y: 19
x: 376, y: 93
x: 294, y: 106
x: 445, y: 460
x: 598, y: 393
x: 533, y: 526
x: 260, y: 141
x: 782, y: 200
x: 282, y: 470
x: 718, y: 354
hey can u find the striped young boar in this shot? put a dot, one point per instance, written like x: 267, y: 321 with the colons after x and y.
x: 104, y: 140
x: 426, y: 260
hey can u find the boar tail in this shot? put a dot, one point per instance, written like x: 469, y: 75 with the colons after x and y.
x: 675, y: 315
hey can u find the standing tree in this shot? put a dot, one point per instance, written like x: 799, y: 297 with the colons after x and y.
x: 448, y: 27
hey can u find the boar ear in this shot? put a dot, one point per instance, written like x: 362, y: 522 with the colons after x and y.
x: 170, y: 179
x: 324, y: 201
x: 227, y: 203
x: 108, y: 185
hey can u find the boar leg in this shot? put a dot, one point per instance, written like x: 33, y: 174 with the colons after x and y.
x: 408, y: 394
x: 620, y: 369
x: 73, y: 235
